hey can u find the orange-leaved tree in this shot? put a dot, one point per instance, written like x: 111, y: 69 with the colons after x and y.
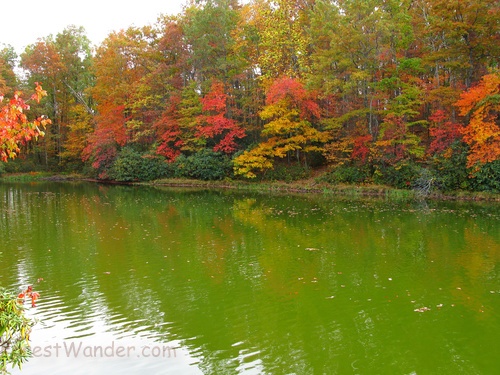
x: 15, y: 128
x: 482, y: 134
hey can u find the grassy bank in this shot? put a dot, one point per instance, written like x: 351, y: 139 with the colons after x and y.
x: 312, y: 186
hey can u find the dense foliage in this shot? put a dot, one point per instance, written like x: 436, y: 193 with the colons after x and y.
x: 376, y: 91
x: 15, y: 128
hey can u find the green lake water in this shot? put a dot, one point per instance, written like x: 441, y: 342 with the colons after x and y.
x: 137, y: 280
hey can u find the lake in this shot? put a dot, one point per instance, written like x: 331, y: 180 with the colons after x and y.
x: 143, y: 280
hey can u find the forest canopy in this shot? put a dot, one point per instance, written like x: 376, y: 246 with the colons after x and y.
x: 371, y: 91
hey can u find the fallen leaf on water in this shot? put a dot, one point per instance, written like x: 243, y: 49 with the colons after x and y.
x: 422, y: 309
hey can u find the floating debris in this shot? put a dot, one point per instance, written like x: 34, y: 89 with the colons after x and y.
x: 422, y: 309
x: 311, y: 249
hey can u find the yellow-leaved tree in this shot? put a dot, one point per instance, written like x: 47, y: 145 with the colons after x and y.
x: 290, y: 132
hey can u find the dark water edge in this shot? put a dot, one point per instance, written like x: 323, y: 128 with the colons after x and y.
x: 297, y: 187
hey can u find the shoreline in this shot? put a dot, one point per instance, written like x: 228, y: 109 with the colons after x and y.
x: 298, y: 187
x: 308, y: 187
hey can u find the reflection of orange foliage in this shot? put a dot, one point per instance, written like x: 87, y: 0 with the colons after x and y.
x: 107, y: 225
x: 281, y: 244
x: 282, y: 276
x: 215, y: 245
x: 479, y: 263
x: 169, y: 217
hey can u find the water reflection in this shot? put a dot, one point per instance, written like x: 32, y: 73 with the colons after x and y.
x: 249, y: 283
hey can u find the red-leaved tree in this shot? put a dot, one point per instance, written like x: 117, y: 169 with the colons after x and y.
x: 15, y: 128
x: 169, y: 130
x: 215, y: 124
x: 443, y: 132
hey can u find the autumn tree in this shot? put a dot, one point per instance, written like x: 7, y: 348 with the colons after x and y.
x: 361, y: 68
x: 457, y: 41
x: 385, y: 77
x: 80, y: 126
x: 215, y: 124
x: 77, y: 107
x: 167, y: 81
x: 482, y: 133
x: 290, y: 113
x: 357, y: 44
x: 43, y: 63
x: 119, y: 66
x: 170, y: 140
x: 444, y: 132
x: 461, y: 38
x: 208, y: 28
x: 396, y: 142
x: 282, y: 41
x: 248, y: 92
x: 63, y: 64
x: 8, y: 79
x: 189, y: 110
x: 178, y: 125
x: 15, y: 127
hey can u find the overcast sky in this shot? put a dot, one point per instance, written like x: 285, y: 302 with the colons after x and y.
x: 24, y: 21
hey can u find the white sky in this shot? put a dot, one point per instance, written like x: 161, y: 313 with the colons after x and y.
x: 24, y: 21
